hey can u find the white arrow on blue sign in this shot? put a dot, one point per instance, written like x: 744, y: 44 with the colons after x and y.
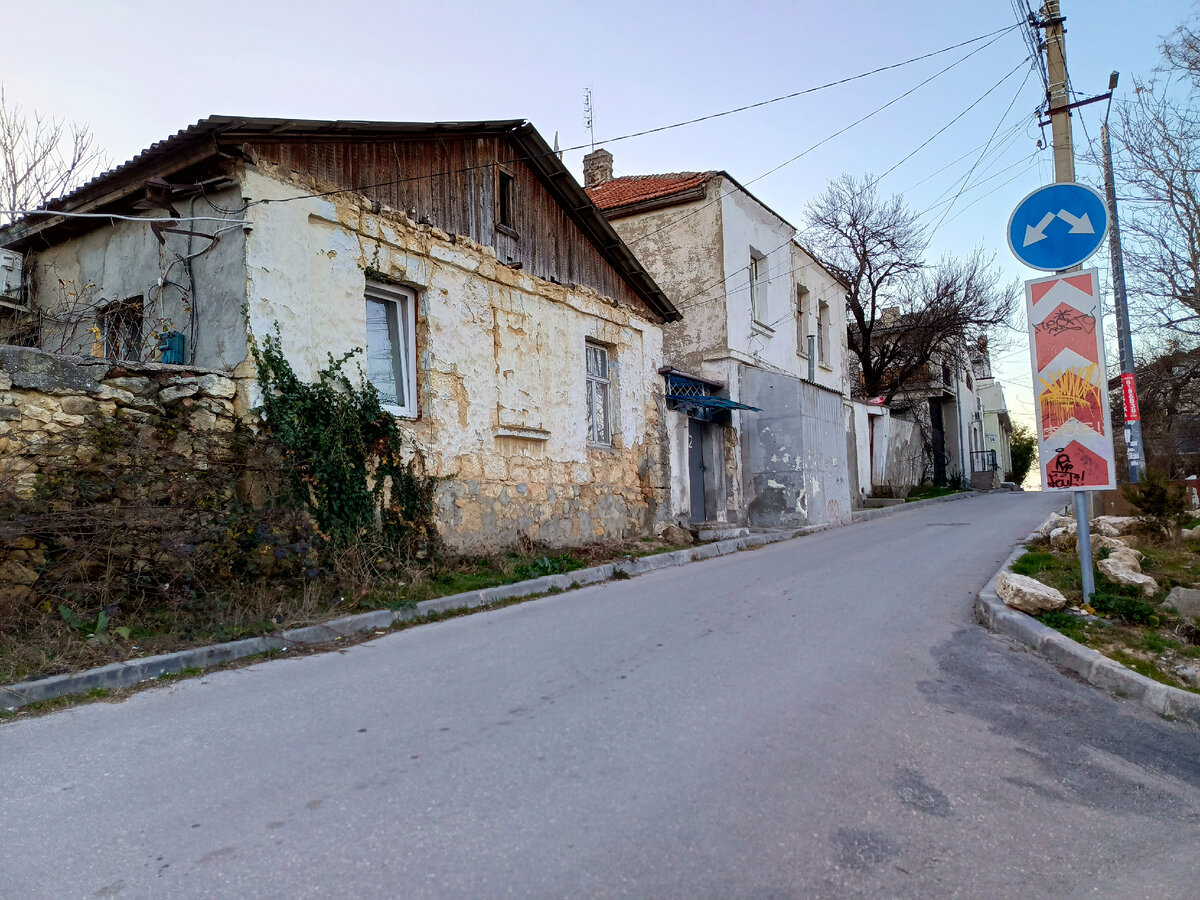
x: 1058, y: 226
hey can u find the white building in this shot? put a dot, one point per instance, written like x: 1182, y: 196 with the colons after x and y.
x: 755, y: 366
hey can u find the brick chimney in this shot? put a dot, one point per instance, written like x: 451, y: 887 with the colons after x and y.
x: 597, y: 167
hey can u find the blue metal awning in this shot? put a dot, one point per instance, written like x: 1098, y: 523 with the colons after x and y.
x: 710, y: 402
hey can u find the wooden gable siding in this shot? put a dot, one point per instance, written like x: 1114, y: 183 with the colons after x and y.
x: 451, y: 183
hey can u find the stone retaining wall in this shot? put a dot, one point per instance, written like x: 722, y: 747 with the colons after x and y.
x: 50, y: 409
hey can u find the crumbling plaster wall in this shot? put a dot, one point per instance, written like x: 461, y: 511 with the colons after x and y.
x: 500, y: 367
x: 795, y: 452
x: 682, y: 249
x: 124, y: 259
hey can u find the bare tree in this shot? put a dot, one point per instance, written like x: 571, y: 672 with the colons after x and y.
x: 1169, y: 403
x: 1158, y: 153
x: 903, y: 313
x: 41, y: 157
x: 1181, y: 52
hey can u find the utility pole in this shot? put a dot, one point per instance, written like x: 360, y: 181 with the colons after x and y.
x: 1133, y: 419
x: 1057, y: 94
x: 1058, y: 98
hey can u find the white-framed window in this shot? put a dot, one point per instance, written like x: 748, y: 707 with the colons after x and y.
x: 392, y: 347
x: 599, y: 418
x: 758, y: 288
x: 823, y: 333
x: 802, y: 319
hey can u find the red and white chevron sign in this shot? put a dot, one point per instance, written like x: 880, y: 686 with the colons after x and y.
x: 1070, y: 384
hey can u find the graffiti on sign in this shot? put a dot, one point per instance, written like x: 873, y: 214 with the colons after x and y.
x: 1071, y: 394
x: 1066, y: 340
x: 1075, y: 466
x: 1067, y: 328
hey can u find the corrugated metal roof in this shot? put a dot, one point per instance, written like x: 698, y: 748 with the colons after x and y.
x: 217, y: 130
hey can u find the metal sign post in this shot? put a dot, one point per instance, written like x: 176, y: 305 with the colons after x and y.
x: 1070, y: 380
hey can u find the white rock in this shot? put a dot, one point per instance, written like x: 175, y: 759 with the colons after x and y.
x: 1121, y: 523
x: 1127, y: 558
x: 1054, y: 521
x: 1028, y: 594
x: 1185, y: 600
x: 1190, y: 674
x: 217, y: 386
x: 1101, y: 542
x: 1124, y: 575
x: 171, y: 394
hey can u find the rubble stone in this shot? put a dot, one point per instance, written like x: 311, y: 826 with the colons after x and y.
x: 1186, y: 601
x: 1028, y: 594
x: 1122, y: 574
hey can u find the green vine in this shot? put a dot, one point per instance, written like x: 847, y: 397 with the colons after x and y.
x: 346, y: 454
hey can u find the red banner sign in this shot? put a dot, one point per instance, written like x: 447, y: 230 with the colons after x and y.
x: 1130, y: 391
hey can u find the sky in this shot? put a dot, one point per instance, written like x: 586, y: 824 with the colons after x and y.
x: 137, y: 72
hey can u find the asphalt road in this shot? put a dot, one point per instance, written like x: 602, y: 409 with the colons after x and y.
x: 818, y: 718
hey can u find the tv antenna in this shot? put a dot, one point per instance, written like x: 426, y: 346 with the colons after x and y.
x: 589, y: 116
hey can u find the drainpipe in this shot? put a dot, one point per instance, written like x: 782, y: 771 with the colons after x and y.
x: 962, y: 469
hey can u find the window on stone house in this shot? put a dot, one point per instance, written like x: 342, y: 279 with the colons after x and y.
x: 758, y: 288
x: 391, y: 347
x: 802, y: 303
x: 599, y: 420
x: 120, y: 324
x: 506, y: 190
x: 823, y: 352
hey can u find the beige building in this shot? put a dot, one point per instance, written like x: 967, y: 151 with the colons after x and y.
x: 496, y: 311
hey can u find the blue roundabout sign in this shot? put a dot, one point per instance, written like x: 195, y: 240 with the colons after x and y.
x: 1058, y: 226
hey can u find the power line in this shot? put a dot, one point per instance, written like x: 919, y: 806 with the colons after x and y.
x: 819, y: 143
x: 687, y: 302
x: 994, y: 35
x: 975, y: 103
x: 971, y: 171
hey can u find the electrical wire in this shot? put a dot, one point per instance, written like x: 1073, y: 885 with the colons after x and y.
x: 971, y: 171
x: 819, y: 143
x: 78, y: 215
x: 974, y: 103
x: 994, y: 35
x: 691, y: 300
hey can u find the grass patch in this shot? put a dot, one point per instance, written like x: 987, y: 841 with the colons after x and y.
x: 1072, y: 626
x: 930, y: 492
x: 1149, y: 669
x: 1141, y: 633
x: 54, y: 643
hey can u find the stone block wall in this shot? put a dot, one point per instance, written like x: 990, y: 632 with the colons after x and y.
x: 50, y: 409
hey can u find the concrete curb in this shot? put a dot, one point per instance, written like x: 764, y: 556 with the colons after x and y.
x: 866, y: 515
x: 1093, y: 667
x: 134, y: 671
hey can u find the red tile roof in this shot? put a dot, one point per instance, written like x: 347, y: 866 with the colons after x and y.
x: 630, y: 189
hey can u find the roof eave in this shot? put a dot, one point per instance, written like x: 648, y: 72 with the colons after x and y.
x: 585, y: 214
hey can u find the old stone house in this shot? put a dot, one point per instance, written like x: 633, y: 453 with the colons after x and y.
x: 756, y: 383
x: 500, y: 315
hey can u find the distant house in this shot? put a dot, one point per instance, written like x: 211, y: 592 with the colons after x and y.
x: 500, y: 315
x: 996, y: 453
x: 755, y: 383
x: 940, y: 401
